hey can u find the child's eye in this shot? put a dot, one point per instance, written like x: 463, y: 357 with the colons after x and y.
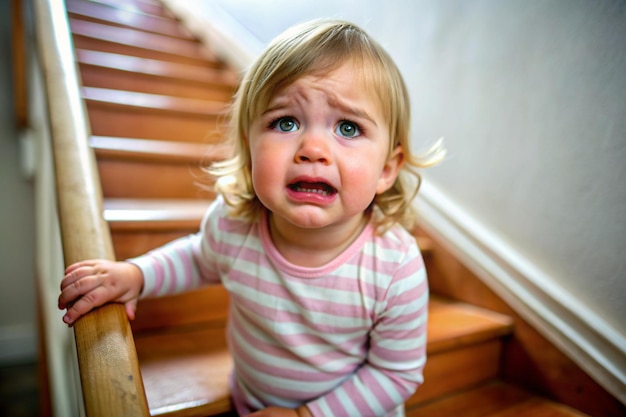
x: 285, y: 124
x: 348, y: 129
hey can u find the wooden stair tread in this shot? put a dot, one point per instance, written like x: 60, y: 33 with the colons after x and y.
x: 452, y: 324
x: 199, y: 354
x: 110, y: 14
x: 204, y: 77
x: 186, y: 372
x: 539, y: 407
x: 192, y: 51
x: 494, y: 399
x: 154, y: 102
x: 148, y: 7
x: 157, y: 150
x: 132, y: 214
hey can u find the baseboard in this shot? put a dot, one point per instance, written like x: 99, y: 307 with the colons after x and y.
x: 577, y: 331
x: 18, y: 344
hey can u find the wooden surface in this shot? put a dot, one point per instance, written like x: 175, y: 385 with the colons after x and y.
x: 207, y: 307
x: 106, y: 38
x: 150, y: 150
x: 529, y: 359
x: 138, y: 226
x: 149, y: 7
x: 108, y: 14
x: 152, y: 116
x: 193, y: 349
x: 121, y: 79
x: 494, y: 399
x: 464, y: 348
x: 154, y: 214
x: 451, y: 325
x: 186, y: 373
x: 108, y: 366
x: 150, y: 169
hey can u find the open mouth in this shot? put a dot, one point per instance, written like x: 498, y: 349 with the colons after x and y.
x: 320, y: 188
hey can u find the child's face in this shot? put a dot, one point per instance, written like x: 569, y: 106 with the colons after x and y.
x: 320, y: 151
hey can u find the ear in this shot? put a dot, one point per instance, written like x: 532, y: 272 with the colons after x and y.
x: 391, y: 169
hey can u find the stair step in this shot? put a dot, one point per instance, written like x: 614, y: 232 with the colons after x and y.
x: 141, y: 168
x: 199, y: 356
x: 464, y: 347
x: 123, y: 72
x: 146, y: 149
x: 148, y: 7
x: 186, y: 374
x: 133, y: 214
x: 106, y: 38
x: 153, y: 116
x: 470, y: 325
x: 111, y: 15
x: 139, y: 225
x: 494, y: 399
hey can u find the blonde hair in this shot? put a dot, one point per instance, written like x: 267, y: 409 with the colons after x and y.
x: 315, y: 48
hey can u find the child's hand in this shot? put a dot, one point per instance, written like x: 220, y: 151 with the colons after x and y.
x: 90, y: 284
x: 282, y: 412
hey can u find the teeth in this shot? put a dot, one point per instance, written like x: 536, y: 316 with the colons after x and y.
x: 312, y: 190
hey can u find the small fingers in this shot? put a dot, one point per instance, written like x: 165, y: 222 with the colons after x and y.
x: 92, y: 283
x: 81, y: 278
x: 77, y: 271
x: 75, y: 285
x: 85, y: 304
x: 131, y: 307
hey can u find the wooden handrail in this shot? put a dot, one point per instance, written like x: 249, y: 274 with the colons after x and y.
x: 109, y: 371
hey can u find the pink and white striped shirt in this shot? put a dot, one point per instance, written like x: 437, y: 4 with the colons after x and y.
x: 347, y: 338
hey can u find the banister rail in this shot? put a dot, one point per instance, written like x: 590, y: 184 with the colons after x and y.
x: 107, y: 360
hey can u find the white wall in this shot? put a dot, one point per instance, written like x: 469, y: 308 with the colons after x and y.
x: 531, y: 98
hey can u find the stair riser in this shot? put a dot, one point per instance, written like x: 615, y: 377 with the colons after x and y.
x: 130, y: 179
x: 166, y: 312
x: 99, y: 13
x: 121, y: 80
x: 130, y: 244
x: 166, y: 29
x: 84, y: 42
x: 454, y: 370
x: 110, y: 120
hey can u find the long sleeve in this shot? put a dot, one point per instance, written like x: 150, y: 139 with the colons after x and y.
x: 394, y: 365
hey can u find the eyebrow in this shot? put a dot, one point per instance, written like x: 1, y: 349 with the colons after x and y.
x: 274, y: 108
x: 360, y: 113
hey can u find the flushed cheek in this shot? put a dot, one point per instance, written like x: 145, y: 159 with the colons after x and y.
x: 359, y: 184
x: 267, y: 172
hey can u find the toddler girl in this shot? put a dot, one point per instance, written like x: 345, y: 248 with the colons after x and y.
x: 328, y: 292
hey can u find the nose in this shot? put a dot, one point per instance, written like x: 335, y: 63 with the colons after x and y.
x: 314, y: 147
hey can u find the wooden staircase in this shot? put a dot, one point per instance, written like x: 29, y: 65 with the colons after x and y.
x: 156, y: 100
